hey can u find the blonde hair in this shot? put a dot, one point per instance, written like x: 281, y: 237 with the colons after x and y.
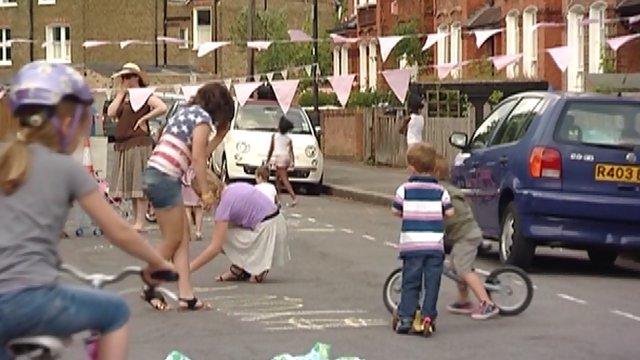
x: 422, y: 157
x: 15, y: 157
x: 214, y: 184
x: 442, y: 168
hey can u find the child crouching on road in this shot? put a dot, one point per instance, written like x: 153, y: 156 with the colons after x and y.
x: 463, y: 232
x: 423, y: 204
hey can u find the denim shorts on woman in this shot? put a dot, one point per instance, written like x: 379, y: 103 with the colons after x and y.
x: 58, y: 310
x: 163, y: 191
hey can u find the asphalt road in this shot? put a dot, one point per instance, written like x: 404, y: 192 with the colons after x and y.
x: 331, y: 292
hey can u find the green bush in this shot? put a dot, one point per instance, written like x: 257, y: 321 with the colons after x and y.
x: 324, y: 99
x: 371, y: 99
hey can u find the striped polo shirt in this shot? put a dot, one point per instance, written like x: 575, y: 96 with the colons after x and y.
x: 421, y: 202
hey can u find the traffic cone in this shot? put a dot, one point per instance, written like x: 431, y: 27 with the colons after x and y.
x: 86, y: 156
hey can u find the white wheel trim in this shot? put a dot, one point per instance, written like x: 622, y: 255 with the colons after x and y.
x: 506, y: 238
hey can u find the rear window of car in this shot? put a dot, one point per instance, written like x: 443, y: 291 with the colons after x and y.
x: 613, y: 124
x: 266, y: 118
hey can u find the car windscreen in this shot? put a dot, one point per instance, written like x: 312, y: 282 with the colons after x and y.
x: 598, y: 123
x: 254, y: 117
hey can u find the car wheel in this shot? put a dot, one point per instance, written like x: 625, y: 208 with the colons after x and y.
x: 515, y: 249
x: 602, y: 257
x: 315, y: 189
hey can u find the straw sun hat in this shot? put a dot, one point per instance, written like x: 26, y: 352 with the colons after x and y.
x: 130, y: 68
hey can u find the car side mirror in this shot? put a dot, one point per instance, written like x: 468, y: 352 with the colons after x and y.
x: 459, y: 140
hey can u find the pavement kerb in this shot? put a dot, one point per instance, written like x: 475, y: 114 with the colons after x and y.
x: 365, y: 196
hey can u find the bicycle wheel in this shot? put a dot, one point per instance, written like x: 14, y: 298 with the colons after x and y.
x: 392, y: 289
x: 510, y: 288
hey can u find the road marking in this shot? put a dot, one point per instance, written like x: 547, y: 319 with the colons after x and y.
x: 311, y: 220
x: 348, y: 231
x: 295, y: 215
x: 369, y: 237
x: 571, y: 298
x: 626, y: 314
x: 482, y: 272
x: 329, y: 226
x: 316, y: 230
x: 390, y: 244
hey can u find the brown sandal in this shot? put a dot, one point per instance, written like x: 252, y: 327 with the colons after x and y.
x: 258, y: 279
x: 235, y: 273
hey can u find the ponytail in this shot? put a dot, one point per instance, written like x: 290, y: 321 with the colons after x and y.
x: 15, y: 160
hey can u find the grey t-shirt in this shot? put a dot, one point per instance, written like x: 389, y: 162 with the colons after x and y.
x: 32, y: 218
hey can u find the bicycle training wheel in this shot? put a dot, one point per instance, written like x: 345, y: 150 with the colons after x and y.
x: 392, y: 289
x: 510, y: 288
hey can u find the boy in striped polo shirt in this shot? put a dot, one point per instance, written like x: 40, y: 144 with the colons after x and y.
x: 423, y: 204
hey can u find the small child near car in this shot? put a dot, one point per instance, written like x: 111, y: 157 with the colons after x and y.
x: 264, y: 186
x: 423, y: 205
x: 463, y: 232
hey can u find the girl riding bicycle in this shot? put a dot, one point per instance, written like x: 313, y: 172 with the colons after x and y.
x: 38, y: 183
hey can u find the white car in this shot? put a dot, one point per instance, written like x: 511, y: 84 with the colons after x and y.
x: 247, y: 143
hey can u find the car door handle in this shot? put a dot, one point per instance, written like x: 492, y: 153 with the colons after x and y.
x: 504, y: 160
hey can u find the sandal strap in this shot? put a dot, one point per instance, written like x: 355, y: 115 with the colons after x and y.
x: 191, y: 303
x: 239, y: 272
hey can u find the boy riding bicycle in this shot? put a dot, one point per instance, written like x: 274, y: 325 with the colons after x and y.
x: 463, y: 232
x: 423, y: 204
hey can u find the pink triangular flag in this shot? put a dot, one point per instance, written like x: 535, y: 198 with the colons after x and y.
x: 190, y: 91
x: 339, y: 39
x: 285, y: 74
x: 298, y: 36
x: 342, y: 87
x: 502, y: 61
x: 285, y: 91
x: 125, y: 43
x: 170, y: 40
x: 227, y: 83
x: 634, y: 19
x: 244, y: 91
x: 561, y: 56
x: 617, y: 42
x: 176, y: 89
x: 94, y: 43
x: 139, y: 96
x: 210, y: 46
x: 398, y: 81
x: 259, y: 45
x: 444, y: 69
x: 19, y: 40
x: 432, y: 39
x: 483, y: 35
x: 546, y: 25
x: 387, y: 43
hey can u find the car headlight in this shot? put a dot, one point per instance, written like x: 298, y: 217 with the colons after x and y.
x: 311, y: 151
x: 243, y: 147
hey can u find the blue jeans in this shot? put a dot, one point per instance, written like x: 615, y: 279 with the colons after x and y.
x: 58, y: 310
x: 163, y: 191
x: 416, y: 270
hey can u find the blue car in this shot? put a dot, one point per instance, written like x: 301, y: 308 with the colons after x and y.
x: 558, y: 170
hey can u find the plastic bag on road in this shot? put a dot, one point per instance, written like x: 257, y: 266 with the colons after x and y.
x: 319, y: 352
x: 175, y: 355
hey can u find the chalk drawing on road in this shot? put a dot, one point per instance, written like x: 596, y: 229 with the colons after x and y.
x: 316, y: 230
x: 347, y: 231
x: 572, y: 299
x: 311, y: 220
x: 368, y: 237
x: 282, y: 313
x: 295, y: 215
x: 626, y: 314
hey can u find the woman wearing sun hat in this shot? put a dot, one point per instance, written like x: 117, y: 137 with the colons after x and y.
x: 133, y: 144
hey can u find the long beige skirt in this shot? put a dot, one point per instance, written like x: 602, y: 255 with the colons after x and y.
x: 127, y: 178
x: 260, y: 249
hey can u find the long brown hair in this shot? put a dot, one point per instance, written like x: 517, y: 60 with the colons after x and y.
x: 215, y: 99
x: 15, y: 158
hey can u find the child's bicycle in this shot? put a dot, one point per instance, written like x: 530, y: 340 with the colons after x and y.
x: 51, y: 347
x: 509, y: 287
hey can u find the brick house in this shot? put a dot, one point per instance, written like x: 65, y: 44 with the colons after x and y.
x: 584, y: 28
x: 59, y: 28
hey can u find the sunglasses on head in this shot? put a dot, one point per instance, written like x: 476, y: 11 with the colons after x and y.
x: 129, y: 76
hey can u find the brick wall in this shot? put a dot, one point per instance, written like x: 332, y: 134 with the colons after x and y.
x: 343, y: 134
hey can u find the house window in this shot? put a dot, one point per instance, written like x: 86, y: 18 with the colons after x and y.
x: 443, y: 46
x: 456, y: 48
x: 373, y: 66
x: 201, y: 26
x: 596, y: 36
x: 575, y: 41
x: 5, y: 47
x: 344, y: 61
x: 184, y: 35
x: 364, y: 3
x: 529, y: 42
x: 8, y: 3
x: 46, y: 2
x: 363, y: 73
x: 58, y: 44
x: 336, y: 61
x: 513, y: 42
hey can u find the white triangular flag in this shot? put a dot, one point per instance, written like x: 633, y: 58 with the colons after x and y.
x: 210, y: 46
x: 139, y: 96
x: 190, y: 91
x: 244, y: 91
x: 227, y: 83
x: 285, y: 74
x: 387, y: 43
x: 560, y: 56
x: 124, y: 44
x: 270, y: 76
x: 342, y: 87
x: 483, y: 35
x: 259, y: 45
x: 307, y: 69
x: 285, y: 91
x: 94, y: 43
x: 432, y: 39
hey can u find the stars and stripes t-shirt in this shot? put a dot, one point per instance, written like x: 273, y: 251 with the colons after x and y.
x: 172, y: 155
x: 421, y: 203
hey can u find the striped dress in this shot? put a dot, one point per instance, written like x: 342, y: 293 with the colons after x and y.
x: 172, y: 155
x: 421, y: 203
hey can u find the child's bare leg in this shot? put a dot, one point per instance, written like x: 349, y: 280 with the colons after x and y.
x: 463, y: 293
x: 199, y: 214
x: 114, y: 345
x: 477, y: 287
x: 285, y: 181
x: 189, y: 217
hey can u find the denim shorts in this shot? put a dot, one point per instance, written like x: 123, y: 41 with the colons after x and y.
x: 163, y: 191
x: 58, y: 310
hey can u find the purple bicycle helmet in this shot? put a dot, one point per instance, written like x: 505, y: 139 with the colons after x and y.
x: 45, y: 84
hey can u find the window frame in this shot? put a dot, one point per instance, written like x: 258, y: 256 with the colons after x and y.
x: 46, y: 2
x: 65, y: 31
x: 196, y: 25
x: 532, y: 113
x: 184, y: 37
x: 8, y: 3
x: 4, y: 44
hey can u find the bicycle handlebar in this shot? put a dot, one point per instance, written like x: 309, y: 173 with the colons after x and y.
x: 100, y: 280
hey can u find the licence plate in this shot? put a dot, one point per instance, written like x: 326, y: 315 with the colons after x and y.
x: 618, y: 173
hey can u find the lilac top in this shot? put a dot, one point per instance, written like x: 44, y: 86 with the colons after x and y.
x: 244, y: 205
